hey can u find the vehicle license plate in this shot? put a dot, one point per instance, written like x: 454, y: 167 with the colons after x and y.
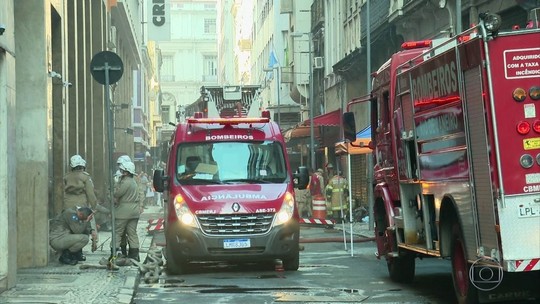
x: 529, y: 211
x: 236, y: 243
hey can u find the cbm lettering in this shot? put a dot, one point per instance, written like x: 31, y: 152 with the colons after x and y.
x: 158, y: 12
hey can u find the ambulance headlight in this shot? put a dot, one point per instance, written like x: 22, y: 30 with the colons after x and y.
x: 287, y: 209
x: 183, y: 213
x: 538, y: 159
x: 526, y: 161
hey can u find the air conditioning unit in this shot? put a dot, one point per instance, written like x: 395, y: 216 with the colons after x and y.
x: 318, y: 62
x: 286, y: 7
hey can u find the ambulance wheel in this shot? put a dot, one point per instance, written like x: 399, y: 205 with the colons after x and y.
x: 402, y: 268
x: 293, y: 263
x: 465, y: 291
x: 172, y: 265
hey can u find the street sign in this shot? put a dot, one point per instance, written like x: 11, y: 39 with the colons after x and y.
x: 107, y: 68
x: 103, y: 61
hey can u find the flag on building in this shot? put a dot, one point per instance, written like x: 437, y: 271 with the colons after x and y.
x: 272, y: 63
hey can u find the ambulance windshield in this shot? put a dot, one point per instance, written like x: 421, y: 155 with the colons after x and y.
x: 230, y: 162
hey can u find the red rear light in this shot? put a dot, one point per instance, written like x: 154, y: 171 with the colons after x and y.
x: 536, y: 126
x: 523, y: 127
x: 415, y: 44
x: 198, y: 115
x: 265, y: 114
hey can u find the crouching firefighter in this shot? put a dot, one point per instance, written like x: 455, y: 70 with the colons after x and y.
x: 69, y: 233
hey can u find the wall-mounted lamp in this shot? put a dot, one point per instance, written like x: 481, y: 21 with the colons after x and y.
x: 65, y: 83
x: 126, y: 130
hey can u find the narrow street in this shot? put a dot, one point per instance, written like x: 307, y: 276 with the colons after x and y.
x: 327, y: 274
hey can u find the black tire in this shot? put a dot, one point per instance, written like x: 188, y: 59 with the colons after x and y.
x: 172, y: 265
x: 292, y: 264
x: 465, y: 291
x: 402, y: 268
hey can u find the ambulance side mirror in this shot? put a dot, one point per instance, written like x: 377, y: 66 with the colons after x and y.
x: 349, y: 126
x: 159, y: 180
x: 301, y: 178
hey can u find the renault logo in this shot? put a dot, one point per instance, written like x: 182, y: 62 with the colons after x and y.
x: 236, y: 207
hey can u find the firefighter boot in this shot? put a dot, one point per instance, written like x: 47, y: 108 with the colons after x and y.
x: 123, y: 249
x: 67, y: 258
x: 78, y: 256
x: 134, y: 254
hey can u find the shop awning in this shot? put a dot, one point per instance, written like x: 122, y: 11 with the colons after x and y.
x: 330, y: 119
x: 300, y: 132
x: 359, y: 146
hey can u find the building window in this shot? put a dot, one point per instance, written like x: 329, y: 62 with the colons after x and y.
x: 210, y: 65
x: 209, y: 26
x: 165, y: 112
x: 167, y: 68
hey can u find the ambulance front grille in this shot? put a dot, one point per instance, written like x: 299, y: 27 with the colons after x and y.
x: 236, y: 224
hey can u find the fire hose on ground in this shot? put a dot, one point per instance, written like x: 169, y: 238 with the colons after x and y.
x: 152, y: 268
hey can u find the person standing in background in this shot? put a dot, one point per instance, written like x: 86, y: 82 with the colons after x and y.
x: 316, y: 183
x: 142, y: 183
x: 316, y: 190
x: 337, y: 194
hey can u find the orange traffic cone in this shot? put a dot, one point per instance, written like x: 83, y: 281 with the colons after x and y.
x: 319, y: 207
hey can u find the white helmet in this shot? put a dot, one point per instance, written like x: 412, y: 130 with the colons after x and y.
x: 76, y: 161
x: 122, y: 159
x: 128, y: 166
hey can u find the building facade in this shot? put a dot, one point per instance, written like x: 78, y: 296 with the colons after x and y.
x: 51, y: 108
x: 189, y: 59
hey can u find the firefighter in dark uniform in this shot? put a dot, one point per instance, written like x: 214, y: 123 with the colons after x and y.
x: 69, y: 233
x: 337, y: 193
x: 127, y: 209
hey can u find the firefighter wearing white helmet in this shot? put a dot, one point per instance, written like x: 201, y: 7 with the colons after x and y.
x: 121, y: 159
x: 78, y: 185
x: 127, y: 210
x: 79, y: 192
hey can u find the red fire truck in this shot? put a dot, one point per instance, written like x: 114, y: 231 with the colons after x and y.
x: 456, y: 151
x: 229, y: 186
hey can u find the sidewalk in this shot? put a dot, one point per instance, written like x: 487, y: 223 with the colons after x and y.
x: 58, y: 283
x: 358, y: 228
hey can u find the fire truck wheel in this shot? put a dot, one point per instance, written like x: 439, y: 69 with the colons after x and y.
x: 401, y: 269
x: 464, y: 289
x: 172, y: 265
x: 293, y: 263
